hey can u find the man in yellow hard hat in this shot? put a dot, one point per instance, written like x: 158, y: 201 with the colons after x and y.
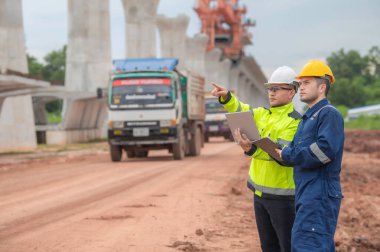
x: 271, y: 182
x: 316, y: 153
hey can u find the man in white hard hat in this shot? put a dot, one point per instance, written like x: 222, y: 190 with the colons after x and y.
x: 271, y: 182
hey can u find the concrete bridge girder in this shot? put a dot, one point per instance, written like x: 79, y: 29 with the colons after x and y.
x: 84, y: 120
x: 140, y: 28
x: 173, y: 37
x: 84, y: 116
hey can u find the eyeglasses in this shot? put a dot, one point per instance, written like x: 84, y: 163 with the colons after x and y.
x: 275, y: 89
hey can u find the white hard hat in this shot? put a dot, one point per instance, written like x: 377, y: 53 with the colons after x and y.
x: 283, y: 75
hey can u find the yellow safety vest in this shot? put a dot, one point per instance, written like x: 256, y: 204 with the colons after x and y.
x: 280, y: 124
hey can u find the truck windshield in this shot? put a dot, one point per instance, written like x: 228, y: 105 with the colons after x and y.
x: 142, y: 92
x: 213, y: 106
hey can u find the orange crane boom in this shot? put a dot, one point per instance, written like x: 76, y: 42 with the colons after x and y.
x: 222, y: 21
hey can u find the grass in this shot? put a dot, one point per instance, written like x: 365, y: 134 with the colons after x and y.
x: 365, y: 123
x: 15, y: 153
x: 54, y: 118
x: 92, y: 144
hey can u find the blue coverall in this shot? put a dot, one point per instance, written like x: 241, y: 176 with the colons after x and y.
x: 316, y: 153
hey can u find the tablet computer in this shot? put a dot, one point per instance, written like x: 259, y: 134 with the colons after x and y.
x: 245, y: 122
x: 269, y: 146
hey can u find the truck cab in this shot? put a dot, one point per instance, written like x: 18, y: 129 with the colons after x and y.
x: 153, y: 106
x: 215, y: 123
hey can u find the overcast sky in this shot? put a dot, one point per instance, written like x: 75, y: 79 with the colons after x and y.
x: 287, y: 32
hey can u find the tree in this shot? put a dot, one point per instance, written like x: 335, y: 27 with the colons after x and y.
x: 350, y: 93
x: 348, y: 65
x: 357, y: 78
x: 54, y: 69
x: 374, y: 61
x: 35, y: 68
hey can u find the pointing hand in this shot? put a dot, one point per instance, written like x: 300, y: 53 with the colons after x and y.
x: 219, y: 91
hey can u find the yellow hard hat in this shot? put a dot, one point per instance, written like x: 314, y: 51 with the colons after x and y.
x: 316, y: 68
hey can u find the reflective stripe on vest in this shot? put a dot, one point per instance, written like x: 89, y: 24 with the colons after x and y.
x: 283, y: 142
x: 270, y: 190
x: 239, y: 107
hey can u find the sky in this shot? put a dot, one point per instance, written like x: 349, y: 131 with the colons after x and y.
x: 287, y: 32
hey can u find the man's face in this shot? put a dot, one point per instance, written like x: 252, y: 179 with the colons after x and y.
x: 280, y: 94
x: 309, y: 90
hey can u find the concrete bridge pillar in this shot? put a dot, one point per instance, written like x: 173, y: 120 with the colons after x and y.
x: 17, y: 130
x: 212, y: 68
x: 40, y: 113
x: 254, y: 76
x: 89, y: 45
x: 224, y: 70
x: 196, y: 53
x: 140, y: 28
x: 233, y: 79
x: 254, y: 95
x: 173, y: 37
x: 243, y: 87
x: 12, y: 39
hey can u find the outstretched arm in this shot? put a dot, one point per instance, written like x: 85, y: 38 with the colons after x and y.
x: 219, y: 91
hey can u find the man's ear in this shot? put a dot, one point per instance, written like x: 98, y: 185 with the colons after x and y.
x: 293, y: 93
x: 322, y: 88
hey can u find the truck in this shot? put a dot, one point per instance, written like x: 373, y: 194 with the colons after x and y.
x: 215, y: 122
x: 152, y: 106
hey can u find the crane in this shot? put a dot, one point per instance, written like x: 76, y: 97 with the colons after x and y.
x: 224, y: 22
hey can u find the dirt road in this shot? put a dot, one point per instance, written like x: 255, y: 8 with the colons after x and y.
x: 77, y: 200
x: 87, y: 203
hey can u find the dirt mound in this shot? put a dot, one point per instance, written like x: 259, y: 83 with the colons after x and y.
x: 359, y: 220
x: 362, y: 141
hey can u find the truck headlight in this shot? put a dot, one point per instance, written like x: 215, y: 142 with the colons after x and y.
x: 117, y: 124
x: 164, y: 123
x: 168, y: 123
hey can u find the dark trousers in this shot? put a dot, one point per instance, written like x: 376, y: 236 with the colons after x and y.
x: 274, y: 219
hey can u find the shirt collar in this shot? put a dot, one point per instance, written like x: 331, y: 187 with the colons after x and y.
x: 316, y: 107
x: 281, y: 109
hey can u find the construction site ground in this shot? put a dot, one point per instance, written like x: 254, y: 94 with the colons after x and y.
x: 74, y: 198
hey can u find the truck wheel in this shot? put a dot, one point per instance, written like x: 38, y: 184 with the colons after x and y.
x: 141, y: 154
x: 131, y: 154
x: 195, y: 143
x: 206, y: 138
x: 116, y: 152
x: 179, y: 147
x: 231, y: 137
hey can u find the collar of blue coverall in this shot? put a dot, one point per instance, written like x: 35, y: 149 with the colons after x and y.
x: 316, y: 107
